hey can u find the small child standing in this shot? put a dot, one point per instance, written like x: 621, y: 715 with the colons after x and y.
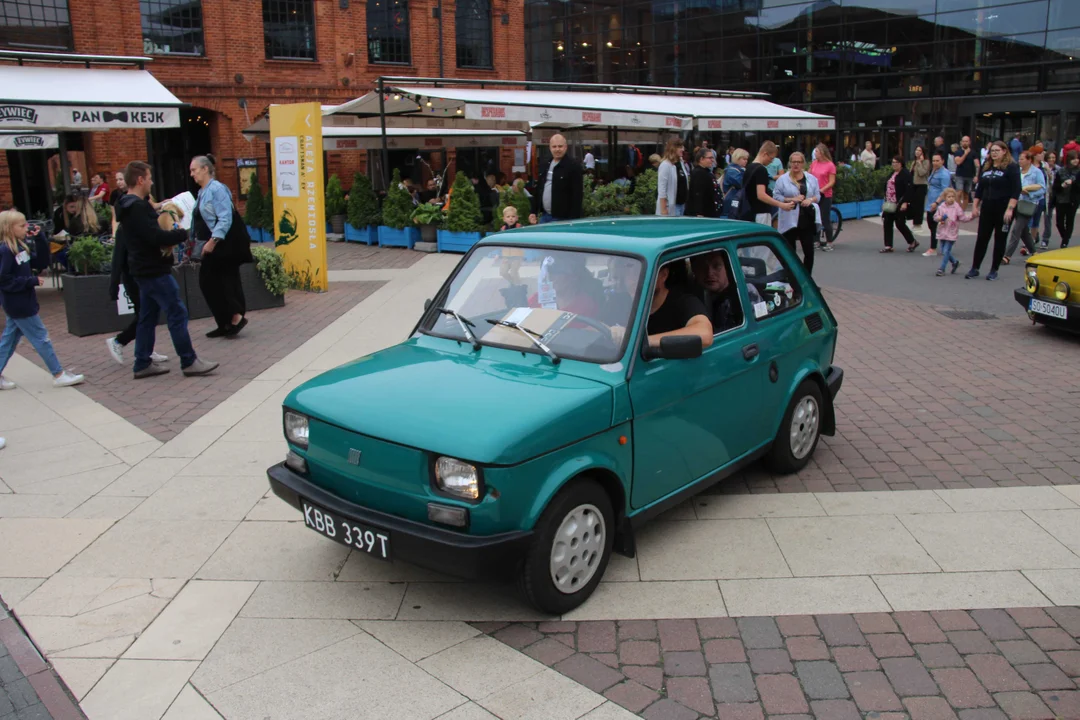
x: 17, y: 283
x: 949, y: 214
x: 510, y: 268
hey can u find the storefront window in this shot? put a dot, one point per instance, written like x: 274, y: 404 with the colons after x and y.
x: 388, y: 31
x: 472, y: 22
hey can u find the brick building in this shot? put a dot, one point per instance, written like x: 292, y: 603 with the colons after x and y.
x: 231, y: 59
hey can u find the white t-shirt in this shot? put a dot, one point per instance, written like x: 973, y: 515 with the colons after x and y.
x: 590, y: 161
x: 546, y: 199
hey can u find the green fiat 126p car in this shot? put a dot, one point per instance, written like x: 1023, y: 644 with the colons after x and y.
x: 568, y: 382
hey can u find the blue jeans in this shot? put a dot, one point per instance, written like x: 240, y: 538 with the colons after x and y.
x: 545, y: 218
x: 35, y: 332
x: 156, y: 294
x: 946, y: 254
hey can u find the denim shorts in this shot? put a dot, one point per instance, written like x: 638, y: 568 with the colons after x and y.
x: 963, y: 184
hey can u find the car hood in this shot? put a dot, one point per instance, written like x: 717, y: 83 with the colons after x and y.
x: 1064, y: 259
x: 465, y: 406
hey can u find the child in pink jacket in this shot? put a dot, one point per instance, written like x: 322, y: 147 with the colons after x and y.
x: 949, y: 214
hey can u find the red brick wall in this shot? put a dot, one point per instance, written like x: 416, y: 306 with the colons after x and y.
x: 233, y: 34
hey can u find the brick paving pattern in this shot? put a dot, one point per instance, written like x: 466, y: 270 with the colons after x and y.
x: 163, y: 406
x: 356, y: 256
x: 929, y: 402
x: 1017, y: 664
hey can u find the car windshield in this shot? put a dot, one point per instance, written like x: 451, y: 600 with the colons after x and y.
x: 577, y: 303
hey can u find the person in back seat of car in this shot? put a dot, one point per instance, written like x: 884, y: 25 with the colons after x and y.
x: 675, y: 311
x: 713, y: 286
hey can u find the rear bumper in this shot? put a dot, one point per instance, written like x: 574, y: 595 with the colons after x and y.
x: 445, y: 551
x: 1071, y: 323
x: 834, y: 380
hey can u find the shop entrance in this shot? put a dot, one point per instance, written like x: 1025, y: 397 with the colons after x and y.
x: 171, y: 151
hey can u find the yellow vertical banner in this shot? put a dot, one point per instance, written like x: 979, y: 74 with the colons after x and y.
x: 296, y: 148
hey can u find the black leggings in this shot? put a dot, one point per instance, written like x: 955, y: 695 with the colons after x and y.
x: 991, y: 220
x: 918, y: 202
x: 807, y: 237
x: 825, y: 206
x: 220, y: 286
x: 932, y: 224
x: 897, y: 220
x: 1066, y: 216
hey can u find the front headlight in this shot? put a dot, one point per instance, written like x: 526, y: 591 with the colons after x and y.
x: 457, y: 478
x: 1062, y: 290
x: 1032, y: 281
x: 296, y: 429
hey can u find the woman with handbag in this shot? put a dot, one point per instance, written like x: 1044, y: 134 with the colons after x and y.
x: 222, y: 245
x: 995, y: 201
x: 1066, y: 195
x: 1033, y: 190
x: 799, y: 226
x: 894, y: 208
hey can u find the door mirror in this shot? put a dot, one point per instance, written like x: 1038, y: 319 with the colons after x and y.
x: 675, y: 347
x: 427, y: 304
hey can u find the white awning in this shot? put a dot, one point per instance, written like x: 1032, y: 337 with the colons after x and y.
x: 337, y: 138
x: 29, y: 141
x: 670, y: 110
x: 82, y: 99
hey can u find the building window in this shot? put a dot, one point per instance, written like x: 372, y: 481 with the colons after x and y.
x: 172, y: 27
x: 388, y: 31
x: 289, y: 29
x: 35, y: 24
x: 473, y: 23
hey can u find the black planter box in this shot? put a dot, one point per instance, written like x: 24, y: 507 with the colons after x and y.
x: 88, y: 307
x: 255, y: 293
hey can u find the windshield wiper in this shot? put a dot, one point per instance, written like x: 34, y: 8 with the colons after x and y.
x: 465, y: 324
x: 533, y: 336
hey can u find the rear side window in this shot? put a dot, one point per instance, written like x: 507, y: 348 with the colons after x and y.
x: 769, y: 282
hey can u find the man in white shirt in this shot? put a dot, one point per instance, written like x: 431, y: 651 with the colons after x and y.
x: 590, y: 159
x: 559, y: 196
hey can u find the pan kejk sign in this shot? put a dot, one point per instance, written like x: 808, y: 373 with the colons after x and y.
x: 66, y: 117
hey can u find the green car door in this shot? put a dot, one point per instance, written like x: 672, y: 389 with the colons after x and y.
x: 692, y: 417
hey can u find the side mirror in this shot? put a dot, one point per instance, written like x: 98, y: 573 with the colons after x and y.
x: 427, y: 304
x: 675, y: 347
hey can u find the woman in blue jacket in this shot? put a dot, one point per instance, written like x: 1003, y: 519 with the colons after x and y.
x: 18, y: 278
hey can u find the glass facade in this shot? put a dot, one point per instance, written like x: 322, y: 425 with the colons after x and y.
x: 905, y: 67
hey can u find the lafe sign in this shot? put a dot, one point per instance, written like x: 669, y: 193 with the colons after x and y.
x: 296, y: 162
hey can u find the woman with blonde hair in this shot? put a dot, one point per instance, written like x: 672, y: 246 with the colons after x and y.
x: 799, y: 225
x: 824, y: 171
x: 17, y: 282
x: 74, y: 218
x: 672, y: 183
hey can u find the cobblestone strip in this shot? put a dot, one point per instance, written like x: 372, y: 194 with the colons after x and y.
x: 1017, y: 664
x: 29, y: 688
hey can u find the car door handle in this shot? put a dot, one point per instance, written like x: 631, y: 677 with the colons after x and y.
x: 749, y: 352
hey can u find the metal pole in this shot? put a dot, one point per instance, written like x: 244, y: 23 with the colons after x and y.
x: 441, y: 73
x: 382, y: 127
x: 65, y: 168
x: 25, y: 185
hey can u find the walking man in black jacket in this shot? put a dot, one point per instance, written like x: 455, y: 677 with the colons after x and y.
x: 559, y: 194
x: 701, y: 200
x: 121, y: 275
x: 150, y: 259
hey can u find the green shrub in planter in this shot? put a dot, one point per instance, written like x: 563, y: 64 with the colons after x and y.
x: 363, y: 206
x: 253, y: 210
x: 430, y: 218
x: 397, y: 208
x: 271, y: 269
x: 644, y: 196
x: 605, y: 200
x: 464, y: 215
x: 878, y: 180
x: 335, y: 197
x: 87, y: 256
x: 104, y: 216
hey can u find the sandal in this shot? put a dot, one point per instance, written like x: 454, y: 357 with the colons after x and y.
x: 885, y: 250
x: 911, y: 248
x: 1005, y: 260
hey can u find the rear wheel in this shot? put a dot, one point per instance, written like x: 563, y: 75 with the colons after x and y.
x: 571, y: 548
x: 799, y: 430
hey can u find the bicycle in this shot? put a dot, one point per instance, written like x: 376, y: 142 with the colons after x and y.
x: 837, y: 224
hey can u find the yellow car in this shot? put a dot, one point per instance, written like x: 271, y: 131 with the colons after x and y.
x: 1051, y: 292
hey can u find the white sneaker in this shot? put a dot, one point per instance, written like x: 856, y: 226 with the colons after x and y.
x: 67, y: 379
x: 929, y: 253
x: 6, y: 384
x: 158, y: 358
x: 116, y: 350
x: 3, y: 442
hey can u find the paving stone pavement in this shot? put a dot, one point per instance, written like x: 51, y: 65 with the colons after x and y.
x: 1015, y: 664
x: 163, y: 406
x: 355, y: 256
x: 29, y: 688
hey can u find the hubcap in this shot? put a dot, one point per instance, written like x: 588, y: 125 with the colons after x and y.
x: 577, y: 548
x: 804, y: 427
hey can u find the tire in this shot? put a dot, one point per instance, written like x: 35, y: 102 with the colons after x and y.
x: 582, y: 499
x: 837, y: 222
x: 798, y: 436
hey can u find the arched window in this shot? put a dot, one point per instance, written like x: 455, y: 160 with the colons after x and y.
x: 388, y: 31
x: 473, y: 25
x: 35, y: 24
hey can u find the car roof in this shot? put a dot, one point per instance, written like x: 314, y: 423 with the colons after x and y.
x: 646, y: 235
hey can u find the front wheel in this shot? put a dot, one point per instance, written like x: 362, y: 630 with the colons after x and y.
x: 799, y: 431
x: 837, y: 222
x: 570, y: 549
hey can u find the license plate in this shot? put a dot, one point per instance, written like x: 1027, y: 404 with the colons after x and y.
x: 1049, y: 309
x: 373, y: 541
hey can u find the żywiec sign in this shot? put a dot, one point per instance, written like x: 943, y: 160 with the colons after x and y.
x: 66, y: 117
x: 28, y: 141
